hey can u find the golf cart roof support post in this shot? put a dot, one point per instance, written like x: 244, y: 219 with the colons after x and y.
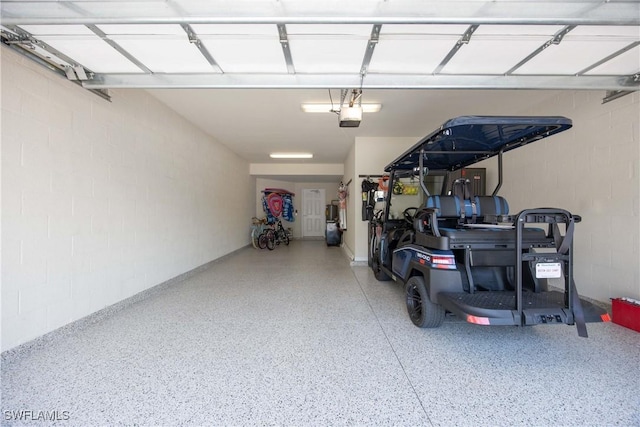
x: 519, y: 230
x: 495, y: 191
x: 445, y: 184
x: 387, y: 205
x: 420, y: 165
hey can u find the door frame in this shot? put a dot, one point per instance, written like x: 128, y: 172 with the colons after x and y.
x: 302, y: 225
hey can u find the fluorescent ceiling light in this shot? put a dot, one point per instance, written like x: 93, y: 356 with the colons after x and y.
x: 291, y: 155
x: 327, y: 108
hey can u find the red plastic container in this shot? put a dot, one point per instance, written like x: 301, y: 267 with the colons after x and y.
x: 626, y: 314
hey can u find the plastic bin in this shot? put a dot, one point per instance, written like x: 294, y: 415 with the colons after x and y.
x: 626, y: 314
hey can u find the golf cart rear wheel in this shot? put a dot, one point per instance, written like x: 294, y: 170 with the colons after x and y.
x: 422, y: 312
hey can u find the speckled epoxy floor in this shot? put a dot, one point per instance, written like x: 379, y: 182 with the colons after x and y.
x: 298, y: 337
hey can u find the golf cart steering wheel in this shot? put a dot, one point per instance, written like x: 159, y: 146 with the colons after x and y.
x: 408, y: 215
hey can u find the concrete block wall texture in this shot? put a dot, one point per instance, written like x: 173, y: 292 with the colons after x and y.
x: 591, y: 170
x: 102, y: 200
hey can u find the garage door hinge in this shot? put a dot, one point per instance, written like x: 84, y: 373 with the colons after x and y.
x: 77, y: 72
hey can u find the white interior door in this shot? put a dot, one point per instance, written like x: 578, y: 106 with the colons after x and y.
x: 313, y: 212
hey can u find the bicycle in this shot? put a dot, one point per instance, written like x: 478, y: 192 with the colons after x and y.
x: 273, y: 236
x: 257, y: 228
x: 281, y: 235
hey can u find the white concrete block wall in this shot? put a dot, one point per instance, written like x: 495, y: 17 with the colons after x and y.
x: 102, y: 200
x: 590, y: 170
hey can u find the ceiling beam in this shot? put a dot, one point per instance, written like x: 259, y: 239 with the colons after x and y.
x: 555, y: 40
x: 371, y: 81
x: 122, y: 51
x: 28, y: 40
x: 609, y: 58
x: 466, y: 37
x: 286, y: 48
x: 195, y: 40
x: 470, y: 12
x: 21, y: 43
x: 371, y: 45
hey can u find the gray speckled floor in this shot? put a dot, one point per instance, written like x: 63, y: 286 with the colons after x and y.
x: 297, y: 337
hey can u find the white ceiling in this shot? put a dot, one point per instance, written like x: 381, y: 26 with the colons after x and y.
x: 240, y: 69
x: 255, y: 122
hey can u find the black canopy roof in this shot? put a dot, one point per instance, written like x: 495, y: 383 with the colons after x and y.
x: 466, y: 140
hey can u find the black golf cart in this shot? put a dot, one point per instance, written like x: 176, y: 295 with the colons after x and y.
x: 465, y: 253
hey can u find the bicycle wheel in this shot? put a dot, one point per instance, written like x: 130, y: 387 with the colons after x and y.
x: 262, y: 240
x: 281, y: 234
x: 271, y: 239
x: 255, y: 235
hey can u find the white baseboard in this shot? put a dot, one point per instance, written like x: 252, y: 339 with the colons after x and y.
x: 347, y: 251
x: 354, y: 261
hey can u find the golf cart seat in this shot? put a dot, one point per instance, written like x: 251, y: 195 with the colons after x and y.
x: 473, y: 210
x: 457, y: 223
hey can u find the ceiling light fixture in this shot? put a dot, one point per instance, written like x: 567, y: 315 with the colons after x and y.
x: 328, y: 108
x: 291, y: 155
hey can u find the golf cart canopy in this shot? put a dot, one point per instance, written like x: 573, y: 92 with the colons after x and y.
x: 466, y: 140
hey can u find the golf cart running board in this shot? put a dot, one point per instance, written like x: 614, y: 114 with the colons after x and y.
x: 498, y: 308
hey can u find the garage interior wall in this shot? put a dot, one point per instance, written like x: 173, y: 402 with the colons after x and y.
x: 591, y: 170
x: 102, y: 200
x: 372, y: 154
x: 331, y: 193
x: 353, y: 199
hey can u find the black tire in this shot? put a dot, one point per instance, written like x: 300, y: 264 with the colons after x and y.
x: 285, y: 238
x: 262, y: 240
x: 422, y: 312
x: 380, y: 275
x: 271, y: 240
